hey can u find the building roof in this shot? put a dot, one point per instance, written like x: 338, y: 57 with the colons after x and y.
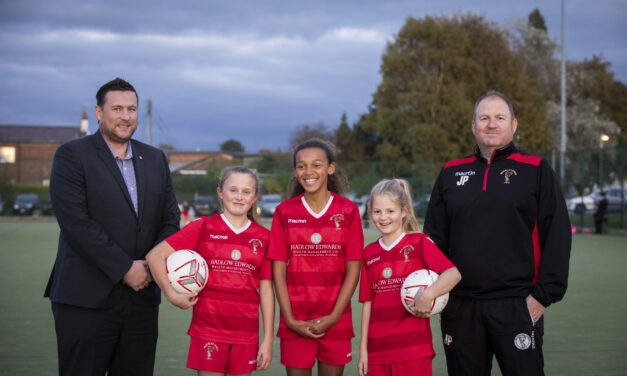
x: 195, y: 161
x: 36, y: 133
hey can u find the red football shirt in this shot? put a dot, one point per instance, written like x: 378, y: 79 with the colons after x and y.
x: 316, y: 247
x: 394, y: 335
x: 228, y: 307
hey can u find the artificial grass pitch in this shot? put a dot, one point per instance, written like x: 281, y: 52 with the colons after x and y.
x: 585, y: 334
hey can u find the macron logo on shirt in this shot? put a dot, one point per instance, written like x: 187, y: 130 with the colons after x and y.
x: 290, y: 220
x: 373, y: 260
x: 222, y: 237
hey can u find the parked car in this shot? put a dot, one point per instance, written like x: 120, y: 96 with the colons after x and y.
x: 46, y: 207
x: 361, y: 204
x: 420, y: 205
x: 580, y: 204
x: 26, y: 204
x: 268, y: 204
x: 585, y: 204
x: 206, y: 205
x: 614, y: 201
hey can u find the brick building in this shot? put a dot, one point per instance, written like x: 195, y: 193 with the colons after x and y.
x: 26, y: 152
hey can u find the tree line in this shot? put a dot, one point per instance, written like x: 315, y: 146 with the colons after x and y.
x: 432, y: 72
x: 436, y: 67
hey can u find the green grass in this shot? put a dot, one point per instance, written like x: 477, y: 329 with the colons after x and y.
x: 586, y: 334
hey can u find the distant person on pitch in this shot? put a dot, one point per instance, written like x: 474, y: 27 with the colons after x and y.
x: 225, y: 323
x: 499, y: 215
x: 187, y: 214
x: 114, y: 201
x: 600, y: 208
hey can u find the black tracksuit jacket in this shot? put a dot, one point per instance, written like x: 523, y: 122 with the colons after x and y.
x: 504, y: 224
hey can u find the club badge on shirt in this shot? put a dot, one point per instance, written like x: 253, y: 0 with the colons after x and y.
x: 255, y: 243
x: 406, y: 250
x: 337, y: 219
x: 507, y: 175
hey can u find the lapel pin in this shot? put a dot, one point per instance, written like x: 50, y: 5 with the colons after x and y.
x: 140, y: 157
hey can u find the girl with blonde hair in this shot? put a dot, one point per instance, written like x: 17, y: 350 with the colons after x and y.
x: 394, y: 342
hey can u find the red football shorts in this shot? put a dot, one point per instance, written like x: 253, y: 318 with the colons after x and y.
x: 419, y: 366
x: 221, y: 357
x: 303, y: 352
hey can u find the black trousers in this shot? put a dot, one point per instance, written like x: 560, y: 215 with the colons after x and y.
x: 120, y: 340
x: 598, y: 224
x: 473, y: 331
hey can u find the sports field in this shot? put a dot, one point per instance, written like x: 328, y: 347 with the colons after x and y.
x: 586, y: 334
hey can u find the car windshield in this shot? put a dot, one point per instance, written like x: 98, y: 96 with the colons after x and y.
x: 26, y: 198
x: 204, y: 200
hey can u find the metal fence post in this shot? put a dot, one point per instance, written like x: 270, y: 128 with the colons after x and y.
x: 581, y: 182
x: 621, y: 177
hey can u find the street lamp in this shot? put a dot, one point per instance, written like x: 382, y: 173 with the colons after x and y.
x: 604, y: 138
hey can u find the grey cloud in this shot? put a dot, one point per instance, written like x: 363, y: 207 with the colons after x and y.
x: 250, y: 70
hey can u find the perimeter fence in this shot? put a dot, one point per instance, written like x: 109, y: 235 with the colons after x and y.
x: 586, y: 174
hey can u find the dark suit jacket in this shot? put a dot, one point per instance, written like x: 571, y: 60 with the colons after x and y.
x: 101, y: 234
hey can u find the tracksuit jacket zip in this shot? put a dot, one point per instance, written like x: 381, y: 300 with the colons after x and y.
x: 487, y: 169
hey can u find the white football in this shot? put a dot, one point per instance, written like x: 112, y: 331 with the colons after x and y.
x: 415, y: 284
x: 187, y: 271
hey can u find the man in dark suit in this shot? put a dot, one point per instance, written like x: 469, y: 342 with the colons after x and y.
x: 114, y: 200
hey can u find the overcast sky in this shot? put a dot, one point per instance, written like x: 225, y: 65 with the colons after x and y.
x: 249, y: 70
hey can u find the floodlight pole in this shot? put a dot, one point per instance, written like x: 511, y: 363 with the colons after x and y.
x: 149, y: 122
x: 563, y: 95
x: 601, y: 166
x: 602, y: 140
